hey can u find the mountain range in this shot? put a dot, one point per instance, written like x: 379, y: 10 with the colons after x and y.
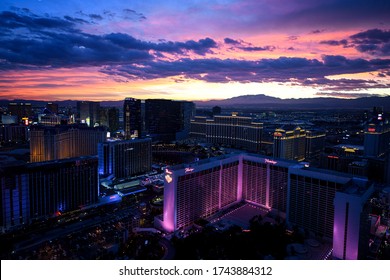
x: 262, y: 101
x: 259, y: 101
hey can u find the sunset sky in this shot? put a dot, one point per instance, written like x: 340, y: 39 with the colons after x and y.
x: 193, y: 50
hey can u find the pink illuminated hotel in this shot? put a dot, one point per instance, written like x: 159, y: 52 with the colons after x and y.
x: 329, y: 204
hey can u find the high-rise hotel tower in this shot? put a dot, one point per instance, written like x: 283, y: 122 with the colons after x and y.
x: 326, y: 203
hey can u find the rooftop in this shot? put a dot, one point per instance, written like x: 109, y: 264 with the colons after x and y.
x: 357, y: 187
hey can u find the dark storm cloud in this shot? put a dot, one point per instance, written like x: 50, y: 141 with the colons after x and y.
x: 201, y: 46
x: 335, y: 42
x: 32, y: 22
x: 373, y: 41
x: 133, y: 15
x: 282, y: 69
x: 95, y: 17
x: 248, y: 47
x: 55, y: 42
x: 69, y: 51
x: 76, y: 20
x: 372, y: 36
x: 344, y: 84
x: 91, y: 18
x: 231, y: 41
x: 126, y: 14
x: 32, y: 42
x: 254, y: 49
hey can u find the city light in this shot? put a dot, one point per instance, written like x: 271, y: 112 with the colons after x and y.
x: 270, y: 161
x: 188, y: 169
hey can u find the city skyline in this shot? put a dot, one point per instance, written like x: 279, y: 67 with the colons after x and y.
x: 195, y: 50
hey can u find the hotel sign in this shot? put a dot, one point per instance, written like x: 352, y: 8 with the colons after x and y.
x: 188, y: 169
x: 270, y: 161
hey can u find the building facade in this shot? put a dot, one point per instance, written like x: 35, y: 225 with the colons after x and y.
x: 109, y: 117
x: 305, y: 196
x: 220, y: 182
x: 14, y: 133
x: 21, y: 110
x: 62, y: 186
x: 40, y: 190
x: 315, y: 143
x: 64, y: 141
x: 351, y: 221
x: 168, y: 120
x: 236, y: 131
x: 88, y: 112
x: 125, y: 158
x: 311, y: 196
x: 132, y: 118
x: 290, y: 143
x: 377, y: 139
x: 14, y: 195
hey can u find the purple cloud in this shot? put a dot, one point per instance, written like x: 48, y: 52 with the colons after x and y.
x: 283, y: 69
x: 241, y: 45
x: 335, y: 42
x: 373, y: 41
x: 232, y: 41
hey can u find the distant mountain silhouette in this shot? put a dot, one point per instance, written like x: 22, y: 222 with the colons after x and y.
x: 259, y: 101
x: 264, y: 101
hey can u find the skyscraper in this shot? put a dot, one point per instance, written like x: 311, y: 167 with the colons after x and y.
x: 132, y: 118
x: 202, y: 189
x: 88, y: 112
x: 290, y: 143
x: 61, y: 186
x: 14, y: 194
x: 193, y: 192
x: 125, y: 158
x: 109, y: 117
x: 327, y: 204
x: 168, y: 120
x: 236, y: 131
x: 40, y: 190
x: 351, y: 221
x: 377, y: 138
x: 315, y: 143
x: 64, y: 141
x: 199, y: 128
x: 21, y: 110
x: 311, y: 196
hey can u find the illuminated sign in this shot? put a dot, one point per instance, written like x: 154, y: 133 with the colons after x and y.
x: 188, y: 169
x: 25, y: 120
x: 371, y: 129
x: 168, y: 178
x: 278, y: 134
x: 333, y: 157
x: 270, y: 161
